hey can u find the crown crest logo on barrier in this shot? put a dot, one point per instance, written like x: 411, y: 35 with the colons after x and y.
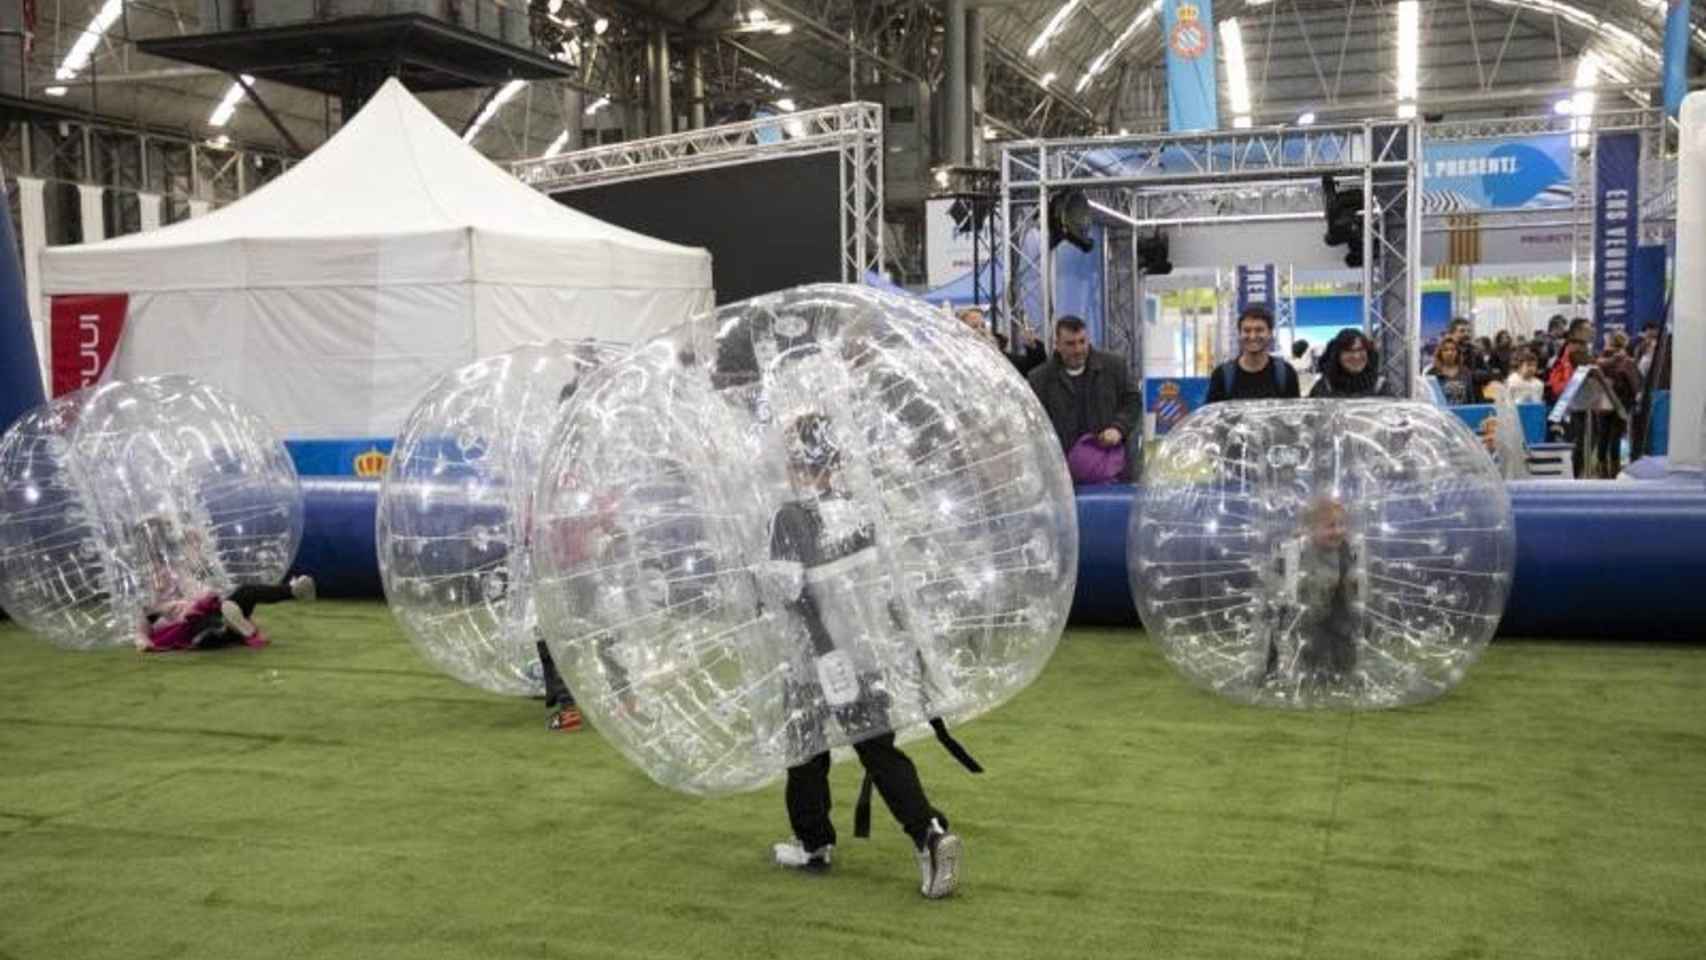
x: 1189, y: 38
x: 372, y: 463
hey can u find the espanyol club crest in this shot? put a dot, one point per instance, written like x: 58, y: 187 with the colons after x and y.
x: 1190, y: 34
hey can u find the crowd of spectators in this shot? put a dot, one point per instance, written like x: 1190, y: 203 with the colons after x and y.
x: 1095, y: 404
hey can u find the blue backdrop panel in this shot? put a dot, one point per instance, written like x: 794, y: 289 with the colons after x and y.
x: 1533, y: 416
x: 338, y: 536
x: 20, y: 368
x: 332, y: 458
x: 1616, y: 561
x: 1332, y: 313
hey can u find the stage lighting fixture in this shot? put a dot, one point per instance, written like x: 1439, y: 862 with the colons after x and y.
x: 1154, y: 255
x: 1344, y: 219
x: 1069, y: 219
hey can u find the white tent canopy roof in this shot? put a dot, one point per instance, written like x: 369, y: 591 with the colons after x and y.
x: 395, y: 197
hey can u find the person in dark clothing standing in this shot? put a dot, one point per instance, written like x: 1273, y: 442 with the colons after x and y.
x: 1350, y: 367
x: 1087, y: 392
x: 827, y: 551
x: 1254, y: 374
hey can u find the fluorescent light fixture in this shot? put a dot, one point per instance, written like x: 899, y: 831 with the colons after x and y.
x: 222, y: 141
x: 1564, y: 107
x: 558, y: 144
x: 1583, y: 103
x: 554, y: 6
x: 1409, y: 47
x: 78, y: 56
x: 1241, y: 121
x: 1054, y: 26
x: 1125, y: 132
x: 1048, y: 78
x: 600, y: 25
x: 1306, y: 119
x: 782, y: 29
x: 222, y: 114
x: 1406, y: 111
x: 756, y: 16
x: 504, y: 96
x: 56, y: 91
x: 1106, y: 57
x: 1237, y: 74
x: 1083, y: 82
x: 596, y: 106
x: 786, y: 105
x: 767, y: 80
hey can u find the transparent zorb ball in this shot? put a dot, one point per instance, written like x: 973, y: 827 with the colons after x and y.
x: 804, y: 520
x: 122, y: 496
x: 1322, y: 554
x: 455, y: 505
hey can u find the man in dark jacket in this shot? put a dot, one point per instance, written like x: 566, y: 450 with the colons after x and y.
x: 1086, y: 391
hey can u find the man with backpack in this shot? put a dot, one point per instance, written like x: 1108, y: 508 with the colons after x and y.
x: 1254, y: 374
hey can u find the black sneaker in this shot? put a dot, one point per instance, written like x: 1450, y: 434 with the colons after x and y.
x: 794, y: 856
x: 939, y: 862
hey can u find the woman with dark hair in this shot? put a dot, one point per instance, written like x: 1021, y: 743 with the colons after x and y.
x: 1350, y: 367
x: 1501, y: 357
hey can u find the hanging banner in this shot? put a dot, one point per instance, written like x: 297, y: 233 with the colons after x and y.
x: 1616, y: 230
x: 1192, y: 100
x: 86, y: 328
x: 1676, y: 55
x: 1256, y: 286
x: 1514, y: 174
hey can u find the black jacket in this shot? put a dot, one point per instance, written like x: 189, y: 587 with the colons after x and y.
x: 1110, y: 398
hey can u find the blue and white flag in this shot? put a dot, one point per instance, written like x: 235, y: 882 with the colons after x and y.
x: 1192, y: 100
x: 1616, y: 231
x: 1676, y: 55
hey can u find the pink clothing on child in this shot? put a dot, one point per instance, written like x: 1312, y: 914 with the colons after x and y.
x: 178, y: 630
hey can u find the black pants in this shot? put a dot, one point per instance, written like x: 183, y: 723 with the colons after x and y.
x: 1609, y: 442
x: 557, y: 695
x: 891, y: 772
x: 212, y: 632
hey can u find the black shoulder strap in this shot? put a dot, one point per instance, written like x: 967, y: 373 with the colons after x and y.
x: 1228, y: 376
x: 862, y: 809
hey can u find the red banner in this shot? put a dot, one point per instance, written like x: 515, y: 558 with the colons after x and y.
x: 86, y: 329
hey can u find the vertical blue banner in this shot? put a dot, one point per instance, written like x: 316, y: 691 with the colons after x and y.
x: 1676, y: 54
x: 1188, y: 29
x: 1647, y: 288
x: 1256, y: 286
x: 1616, y: 231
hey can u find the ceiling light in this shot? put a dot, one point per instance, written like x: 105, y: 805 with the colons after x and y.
x: 84, y: 47
x: 756, y: 16
x: 1564, y: 107
x: 782, y: 29
x: 600, y: 25
x: 1241, y: 121
x: 1054, y: 26
x: 558, y: 144
x: 596, y: 106
x: 1406, y: 111
x: 55, y: 91
x: 1409, y: 47
x: 1048, y: 78
x: 504, y: 96
x: 1237, y: 75
x: 786, y: 104
x: 1306, y: 119
x: 222, y: 114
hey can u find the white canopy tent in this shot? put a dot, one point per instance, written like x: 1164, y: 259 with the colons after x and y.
x: 331, y: 298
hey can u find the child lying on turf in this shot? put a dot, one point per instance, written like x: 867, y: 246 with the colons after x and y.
x: 185, y: 613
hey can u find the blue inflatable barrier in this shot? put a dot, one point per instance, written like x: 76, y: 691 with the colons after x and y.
x: 20, y: 370
x: 338, y: 536
x: 1606, y: 560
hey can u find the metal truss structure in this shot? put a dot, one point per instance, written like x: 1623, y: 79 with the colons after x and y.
x: 852, y: 131
x: 129, y: 161
x: 1228, y: 176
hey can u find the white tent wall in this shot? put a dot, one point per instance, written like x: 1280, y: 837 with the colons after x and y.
x: 331, y: 298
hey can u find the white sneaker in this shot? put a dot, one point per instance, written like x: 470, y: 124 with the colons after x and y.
x: 302, y: 588
x: 234, y: 619
x: 793, y: 855
x: 939, y: 862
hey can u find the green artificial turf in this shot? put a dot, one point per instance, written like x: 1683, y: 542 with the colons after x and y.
x: 332, y: 796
